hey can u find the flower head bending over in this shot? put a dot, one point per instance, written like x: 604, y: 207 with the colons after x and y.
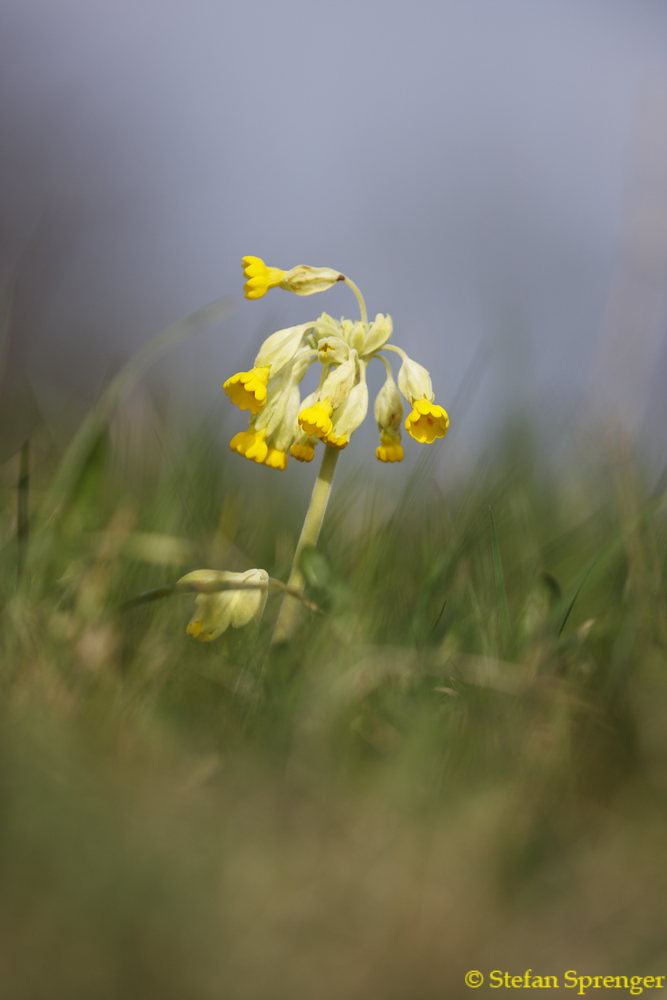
x: 281, y: 424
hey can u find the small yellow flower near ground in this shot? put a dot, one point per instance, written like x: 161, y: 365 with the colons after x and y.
x: 426, y: 422
x: 248, y: 389
x: 215, y: 612
x: 260, y: 277
x: 302, y: 452
x: 316, y: 419
x: 390, y: 449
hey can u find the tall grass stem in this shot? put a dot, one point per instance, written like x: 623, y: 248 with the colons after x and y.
x: 22, y: 512
x: 500, y: 584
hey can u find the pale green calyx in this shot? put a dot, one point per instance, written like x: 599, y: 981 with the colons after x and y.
x: 304, y: 280
x: 338, y: 384
x: 414, y: 381
x: 378, y: 334
x: 279, y: 349
x: 351, y: 412
x: 388, y: 408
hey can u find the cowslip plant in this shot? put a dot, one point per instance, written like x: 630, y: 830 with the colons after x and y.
x: 283, y: 424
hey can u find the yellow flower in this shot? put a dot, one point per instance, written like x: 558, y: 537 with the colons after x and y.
x: 275, y: 458
x: 260, y: 277
x: 390, y: 449
x: 242, y: 441
x: 248, y: 389
x: 251, y: 444
x: 302, y: 452
x: 216, y: 611
x: 316, y: 419
x: 336, y: 442
x: 426, y: 422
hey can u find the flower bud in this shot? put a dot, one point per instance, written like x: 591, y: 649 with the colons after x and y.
x: 389, y: 408
x: 414, y: 381
x: 304, y: 280
x: 215, y: 612
x: 378, y: 334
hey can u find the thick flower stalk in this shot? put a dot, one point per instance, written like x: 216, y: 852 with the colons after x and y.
x: 282, y: 424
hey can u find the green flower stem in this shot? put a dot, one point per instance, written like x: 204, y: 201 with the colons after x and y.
x: 309, y: 535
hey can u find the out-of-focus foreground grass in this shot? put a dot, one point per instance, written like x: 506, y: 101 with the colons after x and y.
x: 403, y: 794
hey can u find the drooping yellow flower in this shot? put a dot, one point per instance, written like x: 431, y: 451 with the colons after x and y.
x: 242, y: 441
x: 248, y: 389
x: 275, y: 458
x: 426, y: 422
x: 302, y: 452
x: 251, y: 444
x: 316, y: 419
x: 390, y: 449
x: 260, y: 277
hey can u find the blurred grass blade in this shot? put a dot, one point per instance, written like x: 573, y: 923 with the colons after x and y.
x: 604, y: 558
x: 86, y: 440
x: 22, y: 512
x: 500, y: 583
x: 576, y: 594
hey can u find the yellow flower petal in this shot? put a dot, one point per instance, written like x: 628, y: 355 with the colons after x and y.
x: 247, y: 390
x: 302, y: 452
x: 195, y: 630
x: 336, y: 442
x: 251, y: 444
x: 242, y: 441
x: 390, y: 449
x: 316, y: 419
x: 260, y: 277
x: 257, y: 451
x: 426, y: 422
x: 275, y: 458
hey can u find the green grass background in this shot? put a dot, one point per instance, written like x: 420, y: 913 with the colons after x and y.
x: 422, y: 783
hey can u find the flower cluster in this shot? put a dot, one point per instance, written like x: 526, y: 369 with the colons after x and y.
x: 281, y: 423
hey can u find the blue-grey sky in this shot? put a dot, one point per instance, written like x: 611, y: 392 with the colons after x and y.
x: 467, y: 162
